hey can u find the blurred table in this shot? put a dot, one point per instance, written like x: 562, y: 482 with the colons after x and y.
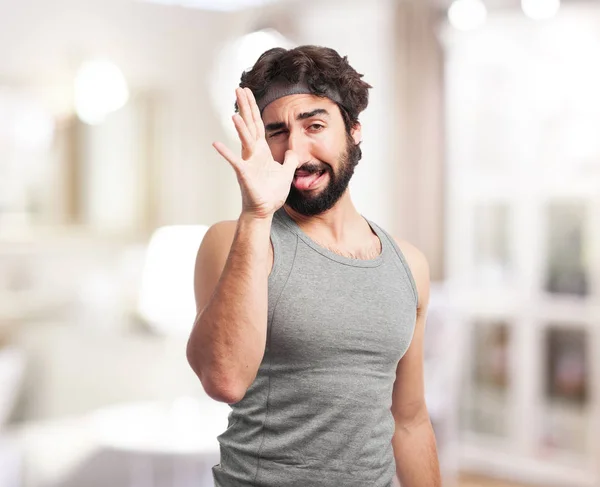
x: 10, y: 463
x: 133, y: 445
x: 183, y: 432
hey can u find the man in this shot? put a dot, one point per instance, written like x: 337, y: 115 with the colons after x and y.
x: 310, y: 317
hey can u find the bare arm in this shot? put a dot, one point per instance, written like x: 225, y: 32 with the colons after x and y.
x: 227, y: 342
x: 414, y: 442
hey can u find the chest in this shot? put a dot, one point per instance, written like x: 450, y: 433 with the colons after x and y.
x: 342, y: 317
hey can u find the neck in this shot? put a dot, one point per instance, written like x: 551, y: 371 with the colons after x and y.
x: 342, y: 223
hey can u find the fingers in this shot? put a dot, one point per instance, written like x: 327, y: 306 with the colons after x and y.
x: 244, y: 134
x: 291, y: 161
x: 248, y: 122
x: 260, y: 126
x: 227, y: 155
x: 246, y: 111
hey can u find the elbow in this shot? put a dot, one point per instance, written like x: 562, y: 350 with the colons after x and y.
x: 411, y: 417
x: 216, y: 385
x: 222, y: 393
x: 192, y: 357
x: 220, y: 389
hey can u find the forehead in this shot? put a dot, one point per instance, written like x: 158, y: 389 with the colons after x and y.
x: 293, y: 105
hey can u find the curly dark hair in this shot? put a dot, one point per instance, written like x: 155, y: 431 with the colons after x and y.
x: 320, y: 68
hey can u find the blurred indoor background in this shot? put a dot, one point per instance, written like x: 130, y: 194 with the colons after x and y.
x: 481, y: 147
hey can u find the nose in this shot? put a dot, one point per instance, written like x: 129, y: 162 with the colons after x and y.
x: 300, y: 144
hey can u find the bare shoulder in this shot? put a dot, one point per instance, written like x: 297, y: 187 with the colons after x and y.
x: 216, y: 242
x: 210, y: 261
x: 419, y: 267
x: 212, y: 258
x: 221, y: 231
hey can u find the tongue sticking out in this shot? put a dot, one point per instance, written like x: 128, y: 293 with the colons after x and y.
x: 304, y: 180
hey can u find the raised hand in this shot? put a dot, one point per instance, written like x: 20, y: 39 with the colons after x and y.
x: 265, y: 183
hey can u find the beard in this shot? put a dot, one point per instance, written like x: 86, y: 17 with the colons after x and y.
x: 309, y: 204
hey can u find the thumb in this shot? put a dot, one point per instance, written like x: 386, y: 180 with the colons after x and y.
x: 291, y: 161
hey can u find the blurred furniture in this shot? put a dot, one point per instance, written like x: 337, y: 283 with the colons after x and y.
x: 184, y: 432
x: 144, y: 444
x: 523, y: 244
x: 63, y: 300
x: 166, y: 300
x: 12, y: 370
x: 441, y: 371
x: 12, y: 367
x: 10, y: 463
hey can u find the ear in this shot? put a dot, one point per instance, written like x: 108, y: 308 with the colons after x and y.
x: 356, y: 133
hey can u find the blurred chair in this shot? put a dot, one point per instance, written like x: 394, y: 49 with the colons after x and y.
x: 441, y: 378
x: 12, y: 369
x: 10, y: 464
x: 147, y: 437
x: 166, y: 300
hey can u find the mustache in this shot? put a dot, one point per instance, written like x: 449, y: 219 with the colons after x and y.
x: 312, y: 167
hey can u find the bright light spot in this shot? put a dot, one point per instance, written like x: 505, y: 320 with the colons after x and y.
x: 540, y: 9
x: 236, y: 58
x: 100, y: 88
x: 166, y: 298
x: 467, y: 14
x: 251, y: 46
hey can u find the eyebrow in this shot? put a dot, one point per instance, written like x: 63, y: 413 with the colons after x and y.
x: 301, y: 116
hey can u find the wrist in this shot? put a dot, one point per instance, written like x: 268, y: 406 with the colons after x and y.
x: 249, y: 218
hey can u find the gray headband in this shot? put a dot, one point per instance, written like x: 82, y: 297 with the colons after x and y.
x: 280, y: 89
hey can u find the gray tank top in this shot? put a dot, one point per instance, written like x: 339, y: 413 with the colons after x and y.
x: 318, y: 412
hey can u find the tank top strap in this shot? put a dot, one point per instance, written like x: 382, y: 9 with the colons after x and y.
x: 397, y: 256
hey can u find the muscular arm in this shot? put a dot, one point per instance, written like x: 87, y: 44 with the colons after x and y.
x: 227, y: 342
x: 414, y: 442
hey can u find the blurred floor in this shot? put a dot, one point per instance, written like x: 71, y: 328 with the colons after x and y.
x: 467, y: 480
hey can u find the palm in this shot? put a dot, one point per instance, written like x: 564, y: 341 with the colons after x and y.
x: 264, y: 182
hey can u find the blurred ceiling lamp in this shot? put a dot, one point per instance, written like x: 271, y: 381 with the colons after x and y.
x: 166, y: 301
x: 235, y: 58
x: 215, y: 5
x: 540, y: 9
x: 467, y: 14
x: 100, y: 89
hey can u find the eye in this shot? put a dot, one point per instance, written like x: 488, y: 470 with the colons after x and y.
x: 316, y: 127
x: 275, y: 134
